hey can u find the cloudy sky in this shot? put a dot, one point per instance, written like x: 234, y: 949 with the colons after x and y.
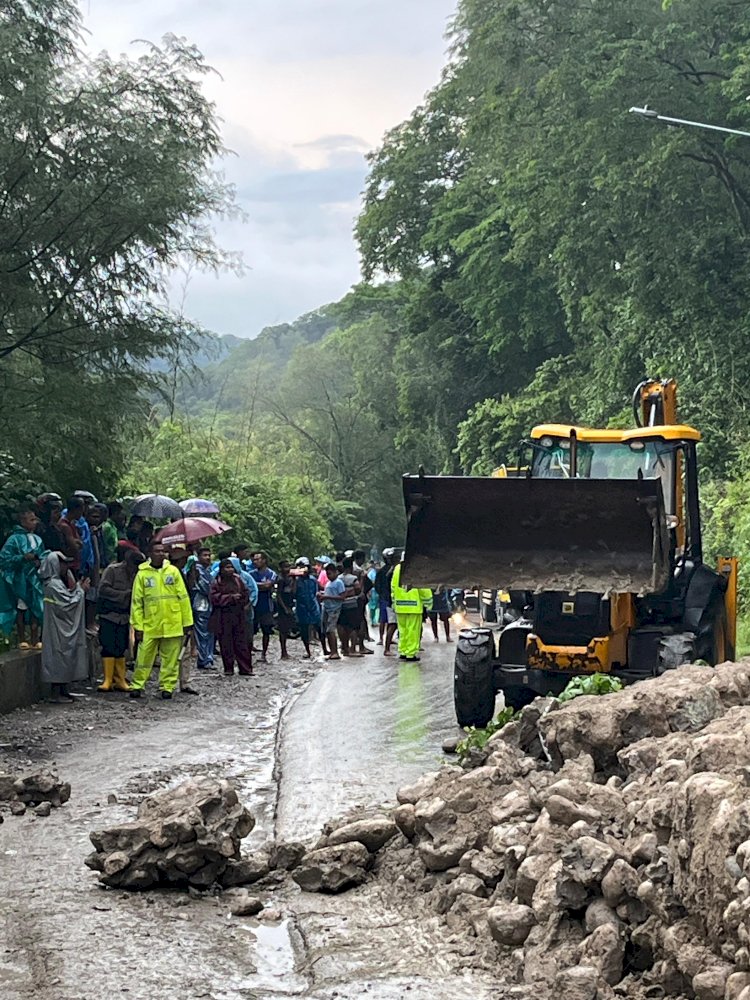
x: 307, y: 88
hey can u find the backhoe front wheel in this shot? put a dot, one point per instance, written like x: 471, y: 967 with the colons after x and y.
x: 675, y: 651
x: 473, y: 679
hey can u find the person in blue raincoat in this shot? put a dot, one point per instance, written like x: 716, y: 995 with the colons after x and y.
x: 21, y: 594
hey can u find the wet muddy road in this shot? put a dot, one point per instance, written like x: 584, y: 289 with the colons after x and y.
x: 303, y: 743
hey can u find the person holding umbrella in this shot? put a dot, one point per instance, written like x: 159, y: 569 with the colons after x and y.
x: 160, y: 615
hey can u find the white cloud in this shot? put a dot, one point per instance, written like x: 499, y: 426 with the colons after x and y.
x: 306, y: 88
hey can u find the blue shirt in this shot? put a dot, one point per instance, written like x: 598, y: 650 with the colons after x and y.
x: 263, y: 606
x: 87, y: 552
x: 306, y: 600
x: 335, y: 588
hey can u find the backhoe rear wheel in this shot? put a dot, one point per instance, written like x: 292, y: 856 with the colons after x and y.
x: 675, y: 651
x: 473, y: 679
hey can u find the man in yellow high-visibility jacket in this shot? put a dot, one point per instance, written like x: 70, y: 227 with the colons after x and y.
x: 160, y: 614
x: 409, y: 606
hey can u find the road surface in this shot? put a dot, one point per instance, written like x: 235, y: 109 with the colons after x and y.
x: 303, y: 743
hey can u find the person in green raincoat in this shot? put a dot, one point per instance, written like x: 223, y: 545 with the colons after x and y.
x: 21, y: 595
x: 409, y: 606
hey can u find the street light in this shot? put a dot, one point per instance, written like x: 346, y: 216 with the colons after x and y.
x: 647, y: 112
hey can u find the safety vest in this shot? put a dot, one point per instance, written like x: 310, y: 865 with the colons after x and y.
x: 408, y: 602
x: 160, y: 607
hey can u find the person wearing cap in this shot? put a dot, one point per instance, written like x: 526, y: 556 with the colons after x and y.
x: 321, y: 562
x: 387, y: 616
x: 409, y: 606
x: 113, y: 609
x: 160, y: 614
x: 307, y: 607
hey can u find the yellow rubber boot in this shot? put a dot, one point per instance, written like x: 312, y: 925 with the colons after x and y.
x: 120, y: 684
x: 108, y: 663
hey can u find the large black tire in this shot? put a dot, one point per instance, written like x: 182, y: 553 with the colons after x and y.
x: 675, y: 650
x: 473, y: 681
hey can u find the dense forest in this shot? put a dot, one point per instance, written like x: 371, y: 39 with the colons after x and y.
x: 530, y: 251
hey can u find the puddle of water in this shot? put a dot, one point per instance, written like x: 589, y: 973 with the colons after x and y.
x: 275, y: 949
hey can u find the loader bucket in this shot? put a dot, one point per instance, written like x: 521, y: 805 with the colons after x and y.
x: 565, y: 535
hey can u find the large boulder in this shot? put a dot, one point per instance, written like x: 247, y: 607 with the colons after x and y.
x: 373, y: 833
x: 184, y: 836
x: 40, y: 786
x: 333, y: 869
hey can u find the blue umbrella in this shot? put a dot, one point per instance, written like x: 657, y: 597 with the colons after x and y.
x: 156, y: 505
x: 199, y: 508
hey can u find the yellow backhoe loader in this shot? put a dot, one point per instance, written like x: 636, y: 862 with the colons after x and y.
x: 597, y: 543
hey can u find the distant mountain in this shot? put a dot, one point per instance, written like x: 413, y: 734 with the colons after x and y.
x: 226, y: 377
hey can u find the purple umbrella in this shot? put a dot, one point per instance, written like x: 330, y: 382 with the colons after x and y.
x: 199, y: 507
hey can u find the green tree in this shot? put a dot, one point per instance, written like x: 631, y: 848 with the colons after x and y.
x: 108, y: 182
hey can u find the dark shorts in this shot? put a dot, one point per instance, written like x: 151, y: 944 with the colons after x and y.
x: 286, y: 623
x: 113, y: 638
x: 350, y: 618
x: 264, y: 623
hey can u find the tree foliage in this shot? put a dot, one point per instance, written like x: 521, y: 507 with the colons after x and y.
x: 108, y: 182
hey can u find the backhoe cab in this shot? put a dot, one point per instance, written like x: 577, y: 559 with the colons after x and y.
x: 596, y: 545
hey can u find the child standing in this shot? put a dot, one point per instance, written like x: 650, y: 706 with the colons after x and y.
x: 332, y: 598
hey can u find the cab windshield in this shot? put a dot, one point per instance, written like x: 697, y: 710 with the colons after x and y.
x: 650, y: 459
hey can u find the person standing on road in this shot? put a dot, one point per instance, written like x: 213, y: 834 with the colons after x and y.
x: 332, y: 597
x: 265, y: 578
x: 245, y: 557
x: 350, y: 615
x: 307, y: 607
x: 386, y: 614
x: 21, y: 598
x: 409, y: 606
x: 229, y: 600
x: 113, y: 608
x: 440, y: 611
x: 201, y: 599
x: 161, y: 616
x: 64, y: 655
x: 285, y: 589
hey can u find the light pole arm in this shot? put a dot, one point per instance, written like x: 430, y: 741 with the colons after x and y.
x: 647, y: 112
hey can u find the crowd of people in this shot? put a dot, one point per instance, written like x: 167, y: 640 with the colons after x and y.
x: 84, y: 568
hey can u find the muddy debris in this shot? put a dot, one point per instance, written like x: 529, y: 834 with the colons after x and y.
x: 333, y: 869
x: 595, y: 849
x: 41, y: 786
x: 184, y: 836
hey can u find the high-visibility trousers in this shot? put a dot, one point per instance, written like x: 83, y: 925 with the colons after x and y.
x: 169, y: 651
x: 409, y: 634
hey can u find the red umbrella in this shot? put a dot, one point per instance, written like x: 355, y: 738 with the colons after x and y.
x: 191, y: 529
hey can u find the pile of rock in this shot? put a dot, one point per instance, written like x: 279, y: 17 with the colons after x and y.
x: 601, y: 848
x: 184, y: 836
x: 41, y: 791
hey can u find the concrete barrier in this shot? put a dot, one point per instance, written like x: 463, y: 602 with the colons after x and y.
x: 21, y: 679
